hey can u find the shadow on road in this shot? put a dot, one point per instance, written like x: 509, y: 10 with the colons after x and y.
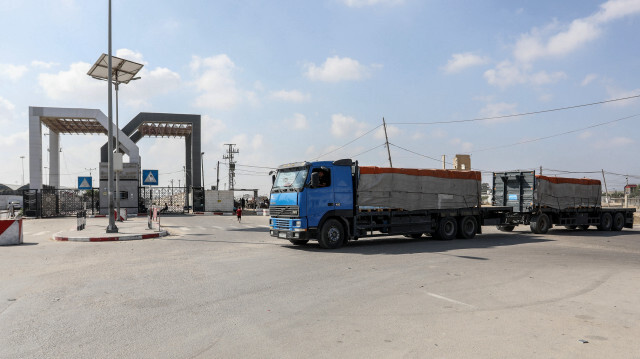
x: 402, y: 245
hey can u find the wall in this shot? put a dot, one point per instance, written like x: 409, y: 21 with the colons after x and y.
x: 218, y: 201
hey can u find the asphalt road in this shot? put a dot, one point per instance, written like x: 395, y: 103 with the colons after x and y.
x: 217, y: 288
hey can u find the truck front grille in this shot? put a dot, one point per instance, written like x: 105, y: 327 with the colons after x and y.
x: 284, y: 211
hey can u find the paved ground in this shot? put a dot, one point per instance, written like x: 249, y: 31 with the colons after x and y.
x: 217, y: 288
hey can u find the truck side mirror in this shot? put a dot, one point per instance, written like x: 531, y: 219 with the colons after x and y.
x: 315, y: 179
x: 273, y: 179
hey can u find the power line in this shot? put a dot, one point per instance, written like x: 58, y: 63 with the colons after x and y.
x: 348, y: 143
x: 556, y: 135
x: 369, y: 150
x: 415, y: 153
x: 515, y: 115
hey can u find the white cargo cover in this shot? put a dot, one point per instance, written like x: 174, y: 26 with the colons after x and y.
x: 562, y: 193
x: 416, y: 189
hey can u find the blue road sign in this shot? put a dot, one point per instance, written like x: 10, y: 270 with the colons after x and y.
x: 149, y: 177
x: 85, y: 183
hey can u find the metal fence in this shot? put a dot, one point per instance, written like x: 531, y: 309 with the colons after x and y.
x: 168, y: 199
x: 59, y: 202
x: 619, y: 202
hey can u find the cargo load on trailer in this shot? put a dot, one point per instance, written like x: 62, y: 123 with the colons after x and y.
x: 563, y: 193
x: 417, y: 189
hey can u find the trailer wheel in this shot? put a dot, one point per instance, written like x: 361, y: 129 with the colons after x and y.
x: 507, y: 228
x: 298, y: 242
x: 618, y: 222
x: 332, y: 234
x: 468, y: 227
x: 583, y: 227
x: 606, y: 221
x: 447, y: 229
x: 540, y: 224
x: 571, y: 227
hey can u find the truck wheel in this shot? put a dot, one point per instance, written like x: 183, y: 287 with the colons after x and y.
x: 468, y: 227
x: 507, y: 228
x: 618, y: 222
x: 571, y: 227
x: 299, y: 242
x: 540, y: 224
x: 605, y: 222
x: 583, y: 227
x: 332, y: 234
x: 447, y: 229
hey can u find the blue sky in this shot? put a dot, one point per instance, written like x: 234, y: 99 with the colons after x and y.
x: 292, y: 80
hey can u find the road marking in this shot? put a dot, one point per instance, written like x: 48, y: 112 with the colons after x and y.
x: 185, y: 228
x: 218, y: 228
x: 40, y: 233
x: 450, y: 300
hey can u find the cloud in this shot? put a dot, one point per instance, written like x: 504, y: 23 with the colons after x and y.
x: 73, y: 84
x: 336, y: 69
x: 12, y: 72
x: 585, y: 135
x: 555, y: 40
x: 363, y: 3
x: 462, y: 145
x: 507, y: 74
x: 615, y: 93
x: 497, y: 110
x: 297, y: 122
x: 459, y: 62
x: 392, y: 132
x: 342, y: 126
x: 290, y: 96
x: 42, y: 65
x: 130, y: 55
x: 214, y: 79
x: 6, y: 111
x: 588, y: 79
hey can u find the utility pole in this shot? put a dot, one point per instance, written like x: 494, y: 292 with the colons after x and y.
x: 232, y: 163
x: 444, y: 162
x: 605, y: 188
x: 218, y: 177
x: 386, y: 138
x: 202, y: 163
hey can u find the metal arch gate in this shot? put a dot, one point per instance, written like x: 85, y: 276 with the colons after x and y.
x: 175, y: 199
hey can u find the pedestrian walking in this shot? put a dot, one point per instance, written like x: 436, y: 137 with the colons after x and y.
x: 239, y: 214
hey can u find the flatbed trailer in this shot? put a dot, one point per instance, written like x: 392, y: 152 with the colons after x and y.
x: 516, y: 189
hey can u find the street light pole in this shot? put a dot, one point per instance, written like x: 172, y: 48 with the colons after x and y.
x: 202, y: 162
x: 111, y: 228
x: 22, y: 157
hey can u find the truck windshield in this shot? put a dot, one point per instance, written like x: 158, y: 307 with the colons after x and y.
x: 290, y: 179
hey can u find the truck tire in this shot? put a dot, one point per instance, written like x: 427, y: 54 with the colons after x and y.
x: 540, y: 224
x: 447, y: 229
x: 618, y: 222
x: 606, y: 221
x: 468, y: 227
x: 506, y: 228
x: 583, y: 227
x: 332, y: 234
x: 298, y: 242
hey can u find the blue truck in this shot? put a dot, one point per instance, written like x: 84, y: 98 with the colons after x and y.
x: 334, y: 202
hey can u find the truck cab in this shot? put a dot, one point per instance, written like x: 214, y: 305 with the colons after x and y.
x: 313, y: 200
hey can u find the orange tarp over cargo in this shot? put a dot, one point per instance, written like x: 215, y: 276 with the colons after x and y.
x: 454, y: 174
x: 559, y: 180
